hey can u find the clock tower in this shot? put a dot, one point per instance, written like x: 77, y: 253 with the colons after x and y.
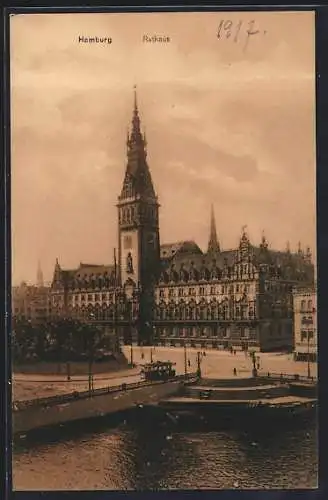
x: 138, y: 228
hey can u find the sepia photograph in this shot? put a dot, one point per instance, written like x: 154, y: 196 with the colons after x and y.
x: 163, y: 228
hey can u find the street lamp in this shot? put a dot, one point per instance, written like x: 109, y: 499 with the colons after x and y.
x: 253, y: 357
x: 152, y: 343
x: 308, y: 355
x: 90, y: 376
x: 130, y: 312
x: 185, y: 358
x: 199, y: 360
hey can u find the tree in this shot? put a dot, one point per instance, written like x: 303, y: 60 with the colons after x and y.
x: 23, y: 339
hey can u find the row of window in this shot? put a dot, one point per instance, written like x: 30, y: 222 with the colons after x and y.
x: 306, y: 305
x: 203, y: 275
x: 193, y: 332
x: 306, y: 335
x: 128, y: 214
x: 183, y: 312
x: 275, y: 286
x: 90, y: 297
x: 202, y: 291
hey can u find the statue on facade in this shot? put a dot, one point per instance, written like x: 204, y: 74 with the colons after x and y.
x: 129, y: 264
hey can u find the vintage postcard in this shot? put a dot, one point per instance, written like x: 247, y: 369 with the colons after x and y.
x: 163, y: 251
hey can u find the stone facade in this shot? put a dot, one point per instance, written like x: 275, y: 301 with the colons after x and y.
x: 31, y: 302
x: 176, y: 293
x: 305, y: 323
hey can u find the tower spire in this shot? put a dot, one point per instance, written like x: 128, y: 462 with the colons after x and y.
x: 264, y: 244
x: 135, y: 99
x: 39, y: 275
x: 136, y: 136
x: 213, y: 244
x: 137, y: 176
x: 299, y: 249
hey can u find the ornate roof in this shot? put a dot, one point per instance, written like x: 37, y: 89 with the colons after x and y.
x: 137, y: 180
x: 182, y: 262
x: 170, y: 250
x: 85, y: 274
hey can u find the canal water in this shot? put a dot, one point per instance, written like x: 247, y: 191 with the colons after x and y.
x: 134, y: 456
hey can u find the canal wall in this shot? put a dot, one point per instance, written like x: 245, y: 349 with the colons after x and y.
x: 233, y: 382
x: 302, y: 390
x: 237, y: 393
x: 34, y: 417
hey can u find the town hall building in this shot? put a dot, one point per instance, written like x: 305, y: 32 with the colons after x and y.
x: 177, y: 294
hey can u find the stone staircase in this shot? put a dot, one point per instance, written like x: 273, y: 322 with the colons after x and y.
x: 200, y: 391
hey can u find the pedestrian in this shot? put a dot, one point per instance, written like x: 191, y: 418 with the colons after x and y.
x: 142, y: 355
x: 234, y: 352
x: 235, y: 371
x: 258, y: 366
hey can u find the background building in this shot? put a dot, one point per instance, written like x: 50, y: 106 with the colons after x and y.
x: 32, y: 302
x: 176, y: 293
x: 305, y: 323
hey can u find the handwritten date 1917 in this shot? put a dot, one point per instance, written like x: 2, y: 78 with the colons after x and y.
x: 229, y: 29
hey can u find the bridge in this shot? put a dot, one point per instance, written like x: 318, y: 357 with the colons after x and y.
x: 56, y: 410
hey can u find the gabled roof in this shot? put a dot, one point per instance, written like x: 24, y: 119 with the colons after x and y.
x: 87, y: 272
x: 293, y: 264
x: 170, y: 250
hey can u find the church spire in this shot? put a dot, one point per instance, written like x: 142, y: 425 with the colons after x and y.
x: 264, y: 244
x: 299, y: 249
x: 135, y: 100
x: 39, y: 276
x: 213, y: 244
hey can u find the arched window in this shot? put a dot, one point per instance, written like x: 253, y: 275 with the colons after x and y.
x: 303, y: 305
x: 104, y: 312
x: 98, y: 312
x: 244, y: 312
x: 182, y: 312
x: 310, y: 305
x: 163, y: 312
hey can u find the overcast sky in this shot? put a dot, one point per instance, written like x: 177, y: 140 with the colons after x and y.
x: 225, y: 124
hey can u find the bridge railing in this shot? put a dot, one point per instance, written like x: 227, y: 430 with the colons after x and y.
x: 285, y: 377
x: 76, y: 395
